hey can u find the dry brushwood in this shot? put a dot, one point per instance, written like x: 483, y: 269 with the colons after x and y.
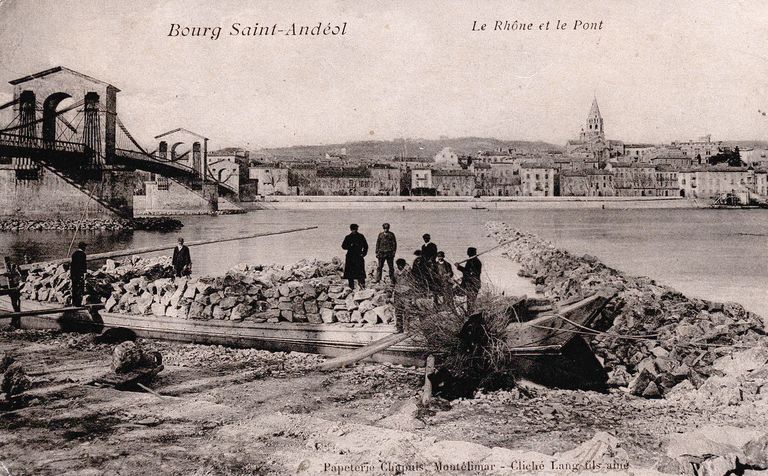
x: 470, y: 347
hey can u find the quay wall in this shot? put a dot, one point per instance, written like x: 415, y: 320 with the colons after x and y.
x: 176, y: 200
x: 49, y: 196
x: 490, y: 203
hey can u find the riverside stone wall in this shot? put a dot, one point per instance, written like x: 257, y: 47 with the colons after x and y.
x: 655, y: 337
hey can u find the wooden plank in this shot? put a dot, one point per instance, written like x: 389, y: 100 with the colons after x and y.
x: 55, y: 310
x: 367, y: 351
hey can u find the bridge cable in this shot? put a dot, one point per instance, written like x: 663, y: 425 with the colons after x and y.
x: 9, y: 103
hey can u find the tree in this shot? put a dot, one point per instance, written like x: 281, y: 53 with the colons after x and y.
x: 727, y: 156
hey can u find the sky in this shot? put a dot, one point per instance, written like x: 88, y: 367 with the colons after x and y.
x: 661, y: 71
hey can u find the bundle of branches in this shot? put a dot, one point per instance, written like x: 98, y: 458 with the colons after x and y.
x: 470, y: 345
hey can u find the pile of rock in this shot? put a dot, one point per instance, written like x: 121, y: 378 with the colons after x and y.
x: 308, y: 291
x: 13, y: 379
x: 655, y: 337
x: 51, y: 283
x: 96, y: 224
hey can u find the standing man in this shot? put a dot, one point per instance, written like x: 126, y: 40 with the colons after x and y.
x: 444, y: 271
x: 182, y: 262
x: 77, y: 270
x: 470, y: 281
x: 386, y: 247
x: 354, y: 265
x: 11, y: 279
x: 428, y: 249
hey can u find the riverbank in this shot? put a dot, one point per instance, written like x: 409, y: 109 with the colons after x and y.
x: 479, y: 204
x: 163, y: 224
x: 243, y: 411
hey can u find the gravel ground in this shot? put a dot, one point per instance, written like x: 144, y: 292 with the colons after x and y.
x: 245, y: 411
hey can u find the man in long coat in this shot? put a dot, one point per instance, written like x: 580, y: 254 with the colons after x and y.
x: 77, y: 270
x: 354, y: 265
x: 182, y: 261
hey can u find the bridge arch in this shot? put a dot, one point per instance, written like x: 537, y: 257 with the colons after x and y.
x: 174, y: 154
x: 50, y: 105
x: 95, y: 128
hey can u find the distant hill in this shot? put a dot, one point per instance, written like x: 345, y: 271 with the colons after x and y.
x: 423, y: 148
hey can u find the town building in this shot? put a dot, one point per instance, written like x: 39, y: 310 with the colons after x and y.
x: 497, y: 179
x: 637, y: 152
x: 269, y: 180
x: 712, y: 181
x: 380, y: 179
x: 633, y: 179
x: 670, y: 156
x: 447, y: 157
x: 537, y: 180
x: 453, y: 182
x: 667, y: 184
x: 700, y: 150
x: 587, y: 183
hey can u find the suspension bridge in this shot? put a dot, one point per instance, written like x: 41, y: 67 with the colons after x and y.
x: 66, y: 122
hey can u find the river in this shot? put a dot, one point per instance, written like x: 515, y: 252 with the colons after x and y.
x: 712, y: 254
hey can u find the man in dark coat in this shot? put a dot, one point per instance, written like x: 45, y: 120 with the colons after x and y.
x: 444, y: 271
x: 354, y: 265
x: 470, y: 280
x: 386, y: 247
x: 77, y: 270
x: 182, y: 261
x: 428, y: 249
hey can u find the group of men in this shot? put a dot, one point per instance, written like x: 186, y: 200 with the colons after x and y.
x: 430, y: 270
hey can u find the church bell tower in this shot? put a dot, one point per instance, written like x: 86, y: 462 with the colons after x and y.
x: 593, y: 129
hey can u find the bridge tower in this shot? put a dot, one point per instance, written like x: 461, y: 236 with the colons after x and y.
x: 186, y: 147
x: 94, y: 101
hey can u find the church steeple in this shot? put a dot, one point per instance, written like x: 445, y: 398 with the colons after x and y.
x: 594, y: 126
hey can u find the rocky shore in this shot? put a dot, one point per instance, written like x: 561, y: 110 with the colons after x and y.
x: 98, y: 224
x: 652, y: 338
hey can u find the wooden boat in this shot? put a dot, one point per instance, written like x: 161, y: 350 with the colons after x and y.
x: 326, y: 339
x: 552, y: 349
x: 547, y: 349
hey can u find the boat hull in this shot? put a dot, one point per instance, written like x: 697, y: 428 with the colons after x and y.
x: 325, y: 339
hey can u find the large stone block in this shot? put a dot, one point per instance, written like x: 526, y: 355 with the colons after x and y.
x: 327, y: 315
x: 371, y: 317
x: 158, y: 309
x: 364, y: 294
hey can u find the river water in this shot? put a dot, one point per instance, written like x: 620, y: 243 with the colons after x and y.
x: 713, y: 254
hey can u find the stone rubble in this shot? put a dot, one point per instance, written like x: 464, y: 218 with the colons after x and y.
x: 51, y: 283
x: 13, y: 379
x: 309, y: 291
x: 655, y: 337
x: 98, y: 224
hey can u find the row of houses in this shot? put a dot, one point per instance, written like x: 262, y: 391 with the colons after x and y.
x: 629, y: 179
